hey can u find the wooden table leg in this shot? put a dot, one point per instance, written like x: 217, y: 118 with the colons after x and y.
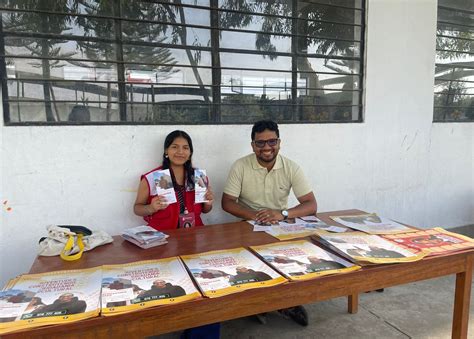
x: 462, y: 298
x: 353, y: 303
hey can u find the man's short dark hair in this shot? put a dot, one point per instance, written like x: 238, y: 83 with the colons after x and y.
x: 262, y: 125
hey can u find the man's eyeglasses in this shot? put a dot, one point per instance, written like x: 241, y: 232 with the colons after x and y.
x: 261, y: 143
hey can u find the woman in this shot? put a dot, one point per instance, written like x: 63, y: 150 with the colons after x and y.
x: 178, y: 150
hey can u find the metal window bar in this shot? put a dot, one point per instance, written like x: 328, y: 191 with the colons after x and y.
x: 3, y: 70
x: 120, y: 42
x: 454, y: 51
x: 110, y: 40
x: 453, y: 37
x: 454, y: 9
x: 454, y: 24
x: 183, y: 6
x: 180, y: 65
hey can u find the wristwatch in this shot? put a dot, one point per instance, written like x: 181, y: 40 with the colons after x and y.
x: 284, y: 213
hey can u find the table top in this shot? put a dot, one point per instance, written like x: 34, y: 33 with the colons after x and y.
x: 209, y: 310
x: 180, y: 242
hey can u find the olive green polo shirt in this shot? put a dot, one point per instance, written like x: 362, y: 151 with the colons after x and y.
x: 258, y: 189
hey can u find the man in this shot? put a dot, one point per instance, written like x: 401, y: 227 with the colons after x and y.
x: 67, y: 303
x: 378, y: 252
x: 259, y: 184
x: 317, y: 265
x: 161, y: 290
x: 247, y: 275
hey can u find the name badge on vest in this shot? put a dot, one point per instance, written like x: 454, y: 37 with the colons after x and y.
x: 186, y: 220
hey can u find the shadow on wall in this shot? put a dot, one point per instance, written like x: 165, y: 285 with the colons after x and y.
x: 79, y: 113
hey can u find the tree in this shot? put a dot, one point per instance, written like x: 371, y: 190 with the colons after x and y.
x: 315, y: 27
x: 143, y: 57
x: 45, y: 48
x: 454, y: 48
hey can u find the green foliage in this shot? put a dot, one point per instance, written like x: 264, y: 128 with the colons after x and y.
x: 26, y: 21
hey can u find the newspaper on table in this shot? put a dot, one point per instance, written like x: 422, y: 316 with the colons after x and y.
x: 436, y: 241
x: 144, y: 236
x: 200, y: 185
x: 58, y: 297
x: 365, y: 248
x: 302, y: 260
x: 372, y: 224
x: 164, y: 185
x: 218, y: 273
x: 144, y: 284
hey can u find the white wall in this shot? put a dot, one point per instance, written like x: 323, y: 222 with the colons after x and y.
x: 397, y: 163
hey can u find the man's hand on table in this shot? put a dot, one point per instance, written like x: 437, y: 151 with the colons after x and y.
x: 268, y: 216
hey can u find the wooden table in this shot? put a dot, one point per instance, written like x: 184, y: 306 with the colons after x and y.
x: 202, y: 311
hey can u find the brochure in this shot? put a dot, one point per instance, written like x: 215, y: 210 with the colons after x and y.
x: 164, y: 185
x: 436, y: 241
x: 259, y: 226
x: 145, y: 284
x: 145, y: 245
x: 200, y: 185
x: 367, y: 248
x: 322, y: 225
x: 144, y: 236
x: 372, y: 224
x: 50, y: 298
x: 302, y: 260
x: 229, y: 271
x: 293, y: 228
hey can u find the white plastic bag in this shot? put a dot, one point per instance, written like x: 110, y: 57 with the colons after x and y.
x: 70, y: 241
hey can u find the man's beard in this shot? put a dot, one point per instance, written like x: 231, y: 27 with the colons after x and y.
x: 267, y: 160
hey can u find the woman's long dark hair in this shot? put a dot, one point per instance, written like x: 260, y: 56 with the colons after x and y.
x: 188, y: 166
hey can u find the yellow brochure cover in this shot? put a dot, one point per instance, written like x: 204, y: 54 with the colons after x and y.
x: 10, y: 283
x: 436, y: 241
x: 368, y: 248
x: 34, y: 300
x: 218, y: 273
x: 302, y: 260
x: 144, y: 284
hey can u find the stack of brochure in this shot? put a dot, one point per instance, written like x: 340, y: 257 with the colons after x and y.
x: 435, y: 241
x: 301, y: 260
x: 223, y: 272
x: 365, y: 248
x: 145, y: 284
x: 144, y: 236
x: 34, y: 300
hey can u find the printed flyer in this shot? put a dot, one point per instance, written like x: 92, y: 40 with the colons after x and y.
x: 372, y: 224
x: 229, y: 271
x: 164, y: 185
x: 368, y: 249
x: 145, y: 284
x: 302, y: 260
x: 200, y: 185
x: 296, y: 228
x: 34, y: 300
x: 436, y: 241
x: 293, y: 228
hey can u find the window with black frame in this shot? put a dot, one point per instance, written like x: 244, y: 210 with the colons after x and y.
x: 454, y: 72
x: 181, y: 61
